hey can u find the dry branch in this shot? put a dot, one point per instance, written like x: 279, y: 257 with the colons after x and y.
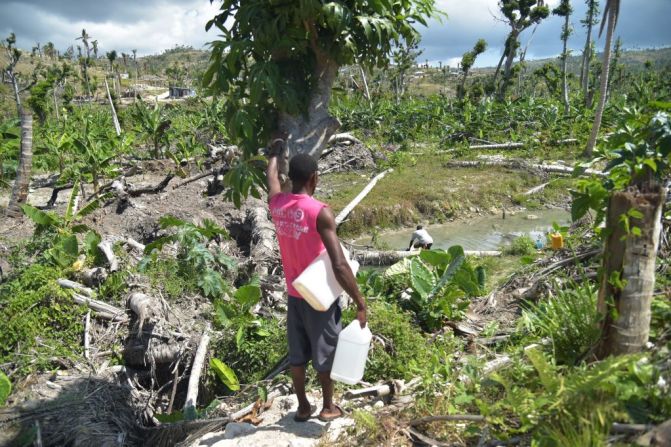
x: 136, y: 192
x: 497, y: 146
x: 67, y: 284
x: 196, y: 369
x: 281, y: 390
x: 348, y: 209
x: 536, y: 189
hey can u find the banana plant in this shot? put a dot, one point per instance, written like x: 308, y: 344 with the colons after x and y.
x: 96, y: 151
x: 58, y: 143
x: 153, y: 124
x: 65, y: 247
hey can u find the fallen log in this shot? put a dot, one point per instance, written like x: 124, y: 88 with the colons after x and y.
x: 495, y: 365
x: 54, y: 194
x: 364, y: 192
x: 536, y: 189
x: 195, y: 178
x: 104, y: 310
x: 341, y: 137
x: 381, y: 258
x: 518, y: 164
x: 67, y: 284
x: 394, y: 387
x: 194, y: 378
x: 142, y: 305
x: 262, y: 245
x: 497, y: 146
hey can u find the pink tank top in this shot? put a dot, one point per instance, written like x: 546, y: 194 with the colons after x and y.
x: 295, y: 218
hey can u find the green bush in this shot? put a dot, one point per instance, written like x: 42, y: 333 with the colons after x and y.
x: 568, y: 319
x: 521, y: 246
x: 39, y: 322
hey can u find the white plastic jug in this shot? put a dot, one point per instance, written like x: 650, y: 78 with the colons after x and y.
x: 317, y: 283
x: 351, y: 353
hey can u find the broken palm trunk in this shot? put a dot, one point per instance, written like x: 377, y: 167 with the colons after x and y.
x: 628, y: 282
x: 263, y: 245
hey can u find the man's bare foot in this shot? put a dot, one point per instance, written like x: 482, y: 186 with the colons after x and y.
x: 303, y: 413
x: 329, y: 414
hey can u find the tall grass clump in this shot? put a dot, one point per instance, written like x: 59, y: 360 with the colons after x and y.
x: 568, y: 319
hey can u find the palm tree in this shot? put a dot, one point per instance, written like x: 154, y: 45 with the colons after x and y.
x: 22, y: 181
x: 564, y: 10
x: 85, y: 61
x: 137, y: 71
x: 111, y: 56
x: 610, y: 15
x: 590, y: 20
x: 95, y: 49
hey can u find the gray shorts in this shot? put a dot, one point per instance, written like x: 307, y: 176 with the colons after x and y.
x: 312, y: 334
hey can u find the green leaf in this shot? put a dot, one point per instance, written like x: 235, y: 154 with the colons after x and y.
x: 239, y: 336
x: 248, y: 296
x: 400, y: 268
x: 39, y: 216
x: 5, y: 388
x: 458, y: 259
x: 91, y: 242
x: 175, y: 416
x: 225, y: 374
x: 171, y: 221
x: 436, y: 258
x: 422, y: 279
x: 211, y: 283
x: 70, y: 210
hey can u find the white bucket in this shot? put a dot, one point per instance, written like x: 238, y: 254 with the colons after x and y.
x: 351, y: 353
x: 318, y: 285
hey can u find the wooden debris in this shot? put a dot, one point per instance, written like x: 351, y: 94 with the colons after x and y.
x: 106, y: 248
x: 104, y: 310
x: 67, y: 284
x: 194, y: 378
x: 348, y: 209
x: 344, y: 137
x: 497, y: 146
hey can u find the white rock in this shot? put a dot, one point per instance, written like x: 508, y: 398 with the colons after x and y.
x: 235, y: 429
x: 379, y: 404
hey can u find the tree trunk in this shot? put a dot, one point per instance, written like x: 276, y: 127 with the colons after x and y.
x: 308, y: 133
x: 498, y: 66
x: 115, y: 119
x: 510, y: 57
x: 20, y: 190
x: 462, y: 88
x: 587, y: 57
x: 625, y: 302
x: 564, y: 64
x: 604, y: 83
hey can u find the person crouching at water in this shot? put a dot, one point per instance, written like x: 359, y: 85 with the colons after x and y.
x: 305, y: 227
x: 421, y: 239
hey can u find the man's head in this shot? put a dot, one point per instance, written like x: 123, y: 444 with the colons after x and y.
x: 419, y: 227
x: 303, y: 173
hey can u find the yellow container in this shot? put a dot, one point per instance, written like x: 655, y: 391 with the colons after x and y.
x: 557, y: 241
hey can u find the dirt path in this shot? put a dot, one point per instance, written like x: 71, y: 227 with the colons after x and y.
x: 278, y: 428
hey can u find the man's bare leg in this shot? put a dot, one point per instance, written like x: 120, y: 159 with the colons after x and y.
x: 329, y: 410
x: 298, y: 377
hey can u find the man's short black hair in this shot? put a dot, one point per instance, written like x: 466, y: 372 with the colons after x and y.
x: 419, y: 227
x: 301, y: 167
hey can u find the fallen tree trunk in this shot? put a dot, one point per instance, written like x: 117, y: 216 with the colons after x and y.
x: 380, y: 258
x: 340, y: 137
x: 518, y: 164
x: 364, y: 192
x: 54, y: 194
x: 106, y: 248
x: 497, y: 146
x: 194, y: 378
x: 263, y: 247
x: 136, y: 192
x: 106, y: 311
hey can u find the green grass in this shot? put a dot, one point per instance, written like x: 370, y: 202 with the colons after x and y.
x: 425, y: 191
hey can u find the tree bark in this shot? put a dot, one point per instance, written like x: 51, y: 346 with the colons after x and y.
x: 308, y: 133
x: 587, y: 55
x: 628, y: 280
x: 22, y: 181
x: 263, y: 246
x: 564, y: 64
x: 510, y: 57
x: 612, y: 15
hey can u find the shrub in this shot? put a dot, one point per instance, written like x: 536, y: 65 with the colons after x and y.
x: 521, y: 246
x: 38, y: 321
x: 569, y: 320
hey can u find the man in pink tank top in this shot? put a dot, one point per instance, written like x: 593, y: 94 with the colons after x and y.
x: 305, y: 227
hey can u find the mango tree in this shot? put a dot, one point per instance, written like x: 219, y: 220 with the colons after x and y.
x: 277, y: 62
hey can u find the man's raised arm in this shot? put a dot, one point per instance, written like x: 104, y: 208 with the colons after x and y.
x: 272, y: 170
x: 327, y: 230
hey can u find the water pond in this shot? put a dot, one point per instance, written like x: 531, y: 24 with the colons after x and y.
x: 480, y: 233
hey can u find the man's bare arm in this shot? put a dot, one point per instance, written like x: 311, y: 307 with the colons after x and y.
x: 327, y: 230
x: 272, y: 170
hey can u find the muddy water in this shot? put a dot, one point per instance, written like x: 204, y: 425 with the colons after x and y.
x: 481, y: 233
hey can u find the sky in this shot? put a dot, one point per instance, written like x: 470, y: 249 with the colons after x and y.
x: 150, y: 26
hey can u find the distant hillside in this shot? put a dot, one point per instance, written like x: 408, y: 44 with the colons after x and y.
x: 634, y: 60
